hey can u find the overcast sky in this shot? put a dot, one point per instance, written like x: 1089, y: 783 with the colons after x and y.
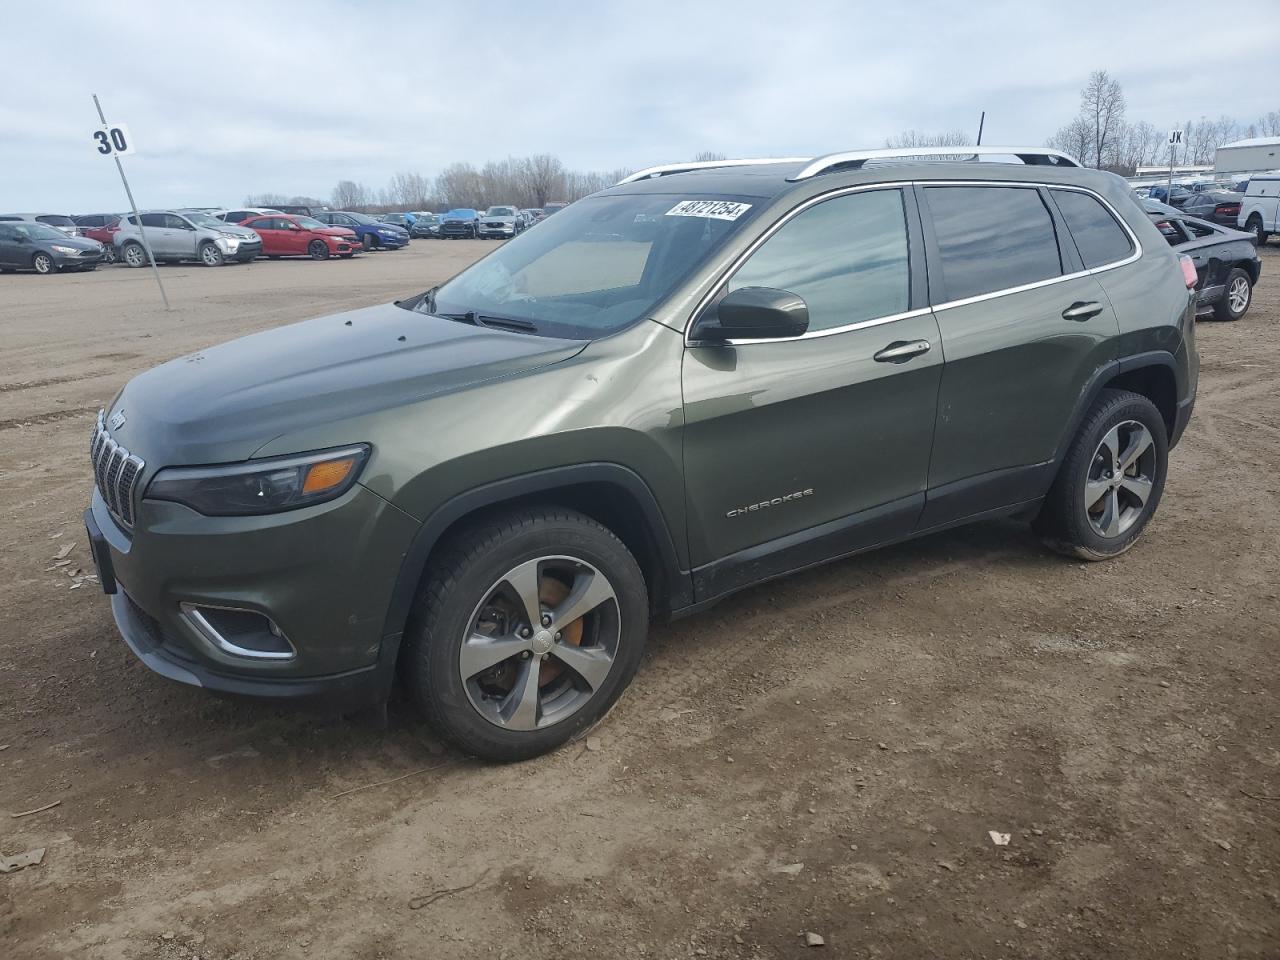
x: 227, y: 99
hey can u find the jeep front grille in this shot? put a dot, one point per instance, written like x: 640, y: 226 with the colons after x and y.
x: 115, y: 472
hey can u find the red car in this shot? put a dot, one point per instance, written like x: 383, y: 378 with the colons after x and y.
x: 101, y: 227
x: 284, y: 235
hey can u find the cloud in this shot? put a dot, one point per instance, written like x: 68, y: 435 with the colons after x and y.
x: 235, y: 98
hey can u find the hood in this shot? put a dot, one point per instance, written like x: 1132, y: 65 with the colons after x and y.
x: 222, y: 404
x: 237, y: 230
x: 335, y: 231
x: 77, y: 243
x: 499, y: 218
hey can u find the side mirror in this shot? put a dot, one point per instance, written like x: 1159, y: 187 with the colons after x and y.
x: 753, y: 313
x: 22, y: 238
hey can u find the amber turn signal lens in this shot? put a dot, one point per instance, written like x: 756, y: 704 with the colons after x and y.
x: 327, y: 475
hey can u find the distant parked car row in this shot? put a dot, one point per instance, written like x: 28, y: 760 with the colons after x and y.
x: 1251, y: 203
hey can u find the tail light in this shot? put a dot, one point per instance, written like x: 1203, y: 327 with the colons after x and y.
x: 1188, y: 271
x: 1227, y: 209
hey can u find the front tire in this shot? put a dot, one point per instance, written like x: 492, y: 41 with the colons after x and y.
x: 527, y: 629
x: 368, y: 241
x: 318, y: 249
x: 1236, y: 296
x: 42, y: 263
x: 210, y: 255
x: 1110, y: 482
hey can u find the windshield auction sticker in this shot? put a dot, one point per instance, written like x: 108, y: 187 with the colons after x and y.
x: 715, y: 209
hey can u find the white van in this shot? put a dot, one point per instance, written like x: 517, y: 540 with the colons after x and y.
x: 1260, y: 206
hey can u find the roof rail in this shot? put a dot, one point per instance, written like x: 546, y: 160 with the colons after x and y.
x: 667, y: 169
x: 854, y: 159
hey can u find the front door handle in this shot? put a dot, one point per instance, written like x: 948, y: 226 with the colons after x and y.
x: 1082, y: 310
x: 900, y: 351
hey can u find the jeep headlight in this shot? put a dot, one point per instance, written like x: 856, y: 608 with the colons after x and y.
x: 262, y: 486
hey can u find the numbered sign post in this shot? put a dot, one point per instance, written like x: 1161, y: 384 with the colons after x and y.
x: 114, y: 140
x: 1175, y: 141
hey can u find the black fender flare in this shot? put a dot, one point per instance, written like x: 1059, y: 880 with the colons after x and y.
x: 678, y: 585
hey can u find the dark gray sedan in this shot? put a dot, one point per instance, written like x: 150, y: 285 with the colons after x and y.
x: 45, y: 249
x: 1219, y: 206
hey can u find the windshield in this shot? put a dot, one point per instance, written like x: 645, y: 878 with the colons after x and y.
x: 41, y: 231
x: 310, y: 223
x: 56, y: 220
x: 204, y: 220
x: 464, y: 213
x: 600, y: 267
x: 500, y: 212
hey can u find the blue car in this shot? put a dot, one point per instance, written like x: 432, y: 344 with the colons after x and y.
x: 373, y: 234
x: 463, y: 222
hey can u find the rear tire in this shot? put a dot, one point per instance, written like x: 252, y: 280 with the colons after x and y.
x: 1255, y: 224
x: 1110, y: 481
x: 1236, y: 296
x: 134, y: 255
x: 210, y: 255
x: 42, y: 263
x: 534, y: 699
x: 108, y: 254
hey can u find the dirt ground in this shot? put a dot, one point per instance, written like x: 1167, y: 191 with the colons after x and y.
x: 823, y: 754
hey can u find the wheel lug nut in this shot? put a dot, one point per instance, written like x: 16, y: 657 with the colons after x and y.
x: 557, y: 637
x: 526, y: 633
x: 546, y: 619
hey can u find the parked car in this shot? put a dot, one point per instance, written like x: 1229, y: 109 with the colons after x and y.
x: 184, y: 235
x: 101, y: 227
x: 1177, y: 198
x: 289, y: 236
x: 536, y: 215
x: 403, y: 220
x: 58, y: 220
x: 1226, y: 261
x: 241, y: 214
x: 1220, y: 206
x: 499, y: 222
x: 553, y: 207
x: 1260, y: 206
x: 426, y: 226
x: 373, y: 234
x: 466, y: 492
x: 27, y: 245
x: 463, y: 222
x: 296, y: 210
x: 529, y: 217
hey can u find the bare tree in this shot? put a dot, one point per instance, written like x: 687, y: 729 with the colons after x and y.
x: 543, y: 178
x: 920, y: 138
x: 1075, y: 139
x: 349, y: 195
x: 706, y: 156
x: 1268, y: 124
x: 1102, y: 105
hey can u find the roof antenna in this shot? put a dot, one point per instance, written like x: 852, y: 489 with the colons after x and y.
x: 981, y: 121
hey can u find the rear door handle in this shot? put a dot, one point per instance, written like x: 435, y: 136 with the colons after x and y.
x: 1082, y: 310
x: 900, y: 351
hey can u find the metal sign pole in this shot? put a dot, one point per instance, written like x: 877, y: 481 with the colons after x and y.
x: 146, y: 244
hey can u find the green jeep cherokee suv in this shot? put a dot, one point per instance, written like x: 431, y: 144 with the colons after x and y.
x: 704, y: 377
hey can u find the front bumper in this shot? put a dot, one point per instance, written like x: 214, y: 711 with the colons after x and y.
x: 505, y: 232
x: 393, y: 243
x: 87, y: 258
x: 323, y: 574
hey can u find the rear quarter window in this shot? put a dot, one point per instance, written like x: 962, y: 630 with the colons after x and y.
x: 1098, y: 237
x: 992, y: 238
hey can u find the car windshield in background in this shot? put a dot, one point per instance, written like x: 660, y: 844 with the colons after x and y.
x: 56, y: 220
x: 500, y: 212
x: 307, y: 223
x: 600, y: 266
x: 204, y: 220
x: 463, y: 213
x: 41, y: 231
x: 364, y: 219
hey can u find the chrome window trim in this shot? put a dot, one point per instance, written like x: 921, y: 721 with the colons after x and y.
x: 191, y: 613
x: 946, y: 305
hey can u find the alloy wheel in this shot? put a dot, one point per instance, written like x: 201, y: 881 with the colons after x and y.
x: 540, y: 643
x: 1238, y: 295
x: 42, y: 263
x: 210, y: 255
x: 1121, y: 478
x: 134, y: 255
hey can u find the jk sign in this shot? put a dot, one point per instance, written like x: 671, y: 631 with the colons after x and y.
x: 1175, y: 138
x: 113, y: 141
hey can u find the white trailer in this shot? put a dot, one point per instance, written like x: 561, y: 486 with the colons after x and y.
x: 1248, y: 156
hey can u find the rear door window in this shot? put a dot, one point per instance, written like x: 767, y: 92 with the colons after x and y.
x: 991, y: 239
x: 158, y: 220
x: 1099, y: 238
x: 846, y: 257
